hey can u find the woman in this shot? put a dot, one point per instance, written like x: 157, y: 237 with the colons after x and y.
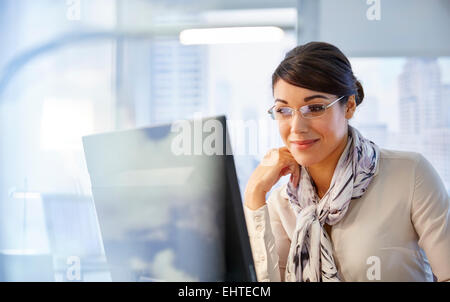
x: 350, y: 211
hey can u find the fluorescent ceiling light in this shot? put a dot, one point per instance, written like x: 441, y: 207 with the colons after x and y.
x: 226, y: 35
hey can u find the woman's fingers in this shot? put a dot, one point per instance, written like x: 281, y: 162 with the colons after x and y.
x: 294, y: 167
x: 271, y: 158
x: 277, y: 162
x: 296, y: 176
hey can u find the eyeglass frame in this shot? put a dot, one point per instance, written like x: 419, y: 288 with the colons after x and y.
x: 271, y: 113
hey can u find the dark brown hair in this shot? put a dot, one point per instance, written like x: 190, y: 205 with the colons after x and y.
x: 321, y: 67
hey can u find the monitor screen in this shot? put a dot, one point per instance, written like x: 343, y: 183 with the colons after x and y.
x: 168, y: 203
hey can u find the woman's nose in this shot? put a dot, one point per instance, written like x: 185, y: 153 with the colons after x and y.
x: 298, y: 123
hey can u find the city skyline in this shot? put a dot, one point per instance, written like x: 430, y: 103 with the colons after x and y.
x: 423, y: 113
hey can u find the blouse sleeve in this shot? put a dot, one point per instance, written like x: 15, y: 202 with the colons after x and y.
x: 430, y: 214
x: 269, y: 241
x: 262, y: 243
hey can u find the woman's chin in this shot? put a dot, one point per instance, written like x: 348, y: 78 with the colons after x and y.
x: 304, y: 158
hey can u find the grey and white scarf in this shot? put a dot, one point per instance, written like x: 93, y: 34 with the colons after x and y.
x: 310, y: 256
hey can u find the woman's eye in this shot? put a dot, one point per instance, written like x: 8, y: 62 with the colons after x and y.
x: 283, y: 111
x: 315, y: 108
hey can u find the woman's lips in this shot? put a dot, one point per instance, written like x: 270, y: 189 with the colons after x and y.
x: 303, y: 145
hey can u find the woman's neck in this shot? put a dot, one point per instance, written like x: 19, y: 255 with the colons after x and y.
x: 322, y: 173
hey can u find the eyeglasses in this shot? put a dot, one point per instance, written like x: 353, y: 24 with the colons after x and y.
x: 308, y: 111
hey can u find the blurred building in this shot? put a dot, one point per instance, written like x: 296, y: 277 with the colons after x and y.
x: 367, y: 121
x: 178, y: 74
x: 424, y: 104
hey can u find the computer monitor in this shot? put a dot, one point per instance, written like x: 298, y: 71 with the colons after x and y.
x: 168, y: 203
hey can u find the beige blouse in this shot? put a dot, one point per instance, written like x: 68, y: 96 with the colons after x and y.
x: 398, y: 231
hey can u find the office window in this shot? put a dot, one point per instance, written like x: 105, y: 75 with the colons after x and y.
x: 407, y: 106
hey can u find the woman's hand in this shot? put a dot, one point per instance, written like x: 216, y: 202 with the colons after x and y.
x: 275, y: 164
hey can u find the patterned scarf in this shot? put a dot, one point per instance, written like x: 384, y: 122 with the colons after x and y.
x: 310, y: 256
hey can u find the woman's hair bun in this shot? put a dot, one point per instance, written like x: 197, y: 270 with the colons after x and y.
x: 360, y: 93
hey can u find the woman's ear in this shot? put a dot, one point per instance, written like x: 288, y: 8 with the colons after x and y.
x: 350, y: 107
